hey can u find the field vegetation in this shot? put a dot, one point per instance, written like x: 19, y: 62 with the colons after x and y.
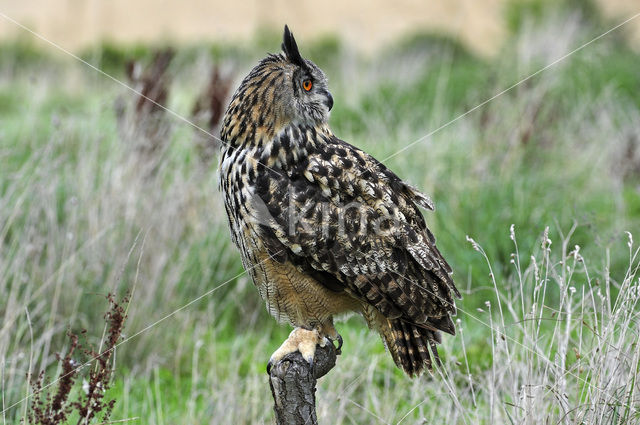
x: 537, y: 198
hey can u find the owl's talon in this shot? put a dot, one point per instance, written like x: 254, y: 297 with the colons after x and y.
x: 338, y: 338
x: 339, y: 348
x: 310, y: 361
x: 301, y: 340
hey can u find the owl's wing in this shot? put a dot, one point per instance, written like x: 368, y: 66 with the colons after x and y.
x: 352, y: 224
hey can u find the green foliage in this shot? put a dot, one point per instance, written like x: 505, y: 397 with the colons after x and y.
x: 111, y: 57
x: 519, y: 12
x: 80, y: 215
x: 22, y: 53
x: 432, y: 44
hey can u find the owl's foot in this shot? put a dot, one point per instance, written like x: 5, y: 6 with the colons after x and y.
x: 302, y: 340
x: 330, y: 332
x: 339, y: 347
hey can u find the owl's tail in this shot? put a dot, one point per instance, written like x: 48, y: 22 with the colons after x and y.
x: 411, y: 346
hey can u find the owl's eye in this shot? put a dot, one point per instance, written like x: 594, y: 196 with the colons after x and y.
x: 307, y: 84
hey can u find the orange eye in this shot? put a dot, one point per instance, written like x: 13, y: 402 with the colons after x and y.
x: 307, y: 84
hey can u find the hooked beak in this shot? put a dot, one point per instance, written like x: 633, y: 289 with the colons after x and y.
x: 329, y: 100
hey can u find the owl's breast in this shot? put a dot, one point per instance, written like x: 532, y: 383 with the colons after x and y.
x: 293, y: 296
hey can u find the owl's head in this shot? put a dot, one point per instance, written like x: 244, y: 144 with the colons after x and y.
x: 305, y: 84
x: 283, y: 89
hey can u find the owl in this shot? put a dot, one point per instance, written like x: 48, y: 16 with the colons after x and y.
x: 323, y: 228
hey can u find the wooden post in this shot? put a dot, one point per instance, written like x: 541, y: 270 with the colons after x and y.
x: 293, y: 385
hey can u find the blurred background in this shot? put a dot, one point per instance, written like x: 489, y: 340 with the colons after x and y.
x: 535, y: 176
x: 367, y: 25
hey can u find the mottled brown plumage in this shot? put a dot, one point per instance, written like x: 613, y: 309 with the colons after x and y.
x: 323, y: 227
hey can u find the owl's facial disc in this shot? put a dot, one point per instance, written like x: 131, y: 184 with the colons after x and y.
x: 312, y: 98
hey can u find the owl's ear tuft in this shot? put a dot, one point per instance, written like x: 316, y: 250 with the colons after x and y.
x: 290, y: 48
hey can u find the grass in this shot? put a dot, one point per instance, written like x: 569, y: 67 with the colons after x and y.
x: 547, y: 332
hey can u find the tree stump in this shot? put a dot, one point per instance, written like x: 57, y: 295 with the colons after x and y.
x: 293, y: 385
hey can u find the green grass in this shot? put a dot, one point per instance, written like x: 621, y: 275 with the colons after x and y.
x: 81, y: 215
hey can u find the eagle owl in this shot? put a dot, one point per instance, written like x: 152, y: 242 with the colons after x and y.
x: 323, y: 228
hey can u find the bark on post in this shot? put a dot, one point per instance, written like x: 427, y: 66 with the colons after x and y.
x: 293, y: 385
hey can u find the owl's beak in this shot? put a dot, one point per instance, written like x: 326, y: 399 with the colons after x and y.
x: 329, y: 101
